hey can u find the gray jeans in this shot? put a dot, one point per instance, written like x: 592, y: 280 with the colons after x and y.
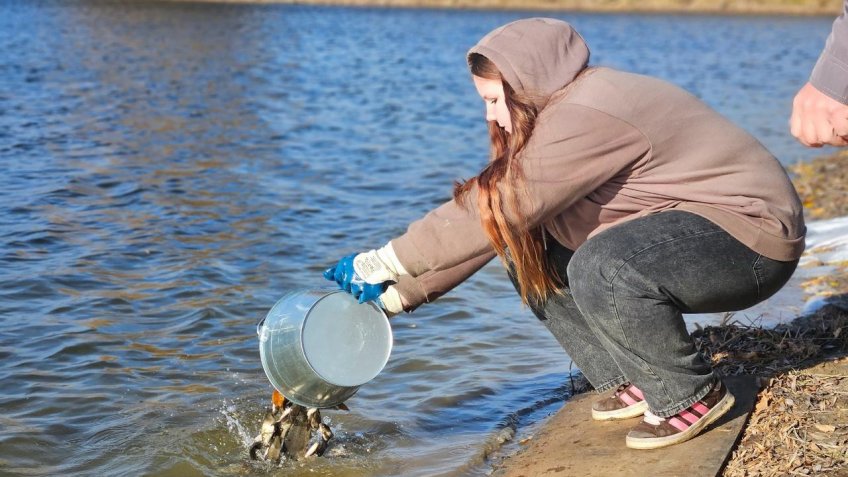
x: 620, y: 315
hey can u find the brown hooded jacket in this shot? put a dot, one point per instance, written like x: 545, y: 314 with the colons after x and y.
x: 612, y: 147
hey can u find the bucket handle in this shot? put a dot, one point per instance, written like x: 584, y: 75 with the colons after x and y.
x: 259, y: 326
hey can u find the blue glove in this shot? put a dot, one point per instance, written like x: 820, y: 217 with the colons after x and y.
x: 347, y: 275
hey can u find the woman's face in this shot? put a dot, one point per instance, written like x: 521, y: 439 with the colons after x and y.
x: 492, y: 92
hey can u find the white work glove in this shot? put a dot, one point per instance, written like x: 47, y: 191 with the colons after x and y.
x: 368, y: 275
x: 391, y: 302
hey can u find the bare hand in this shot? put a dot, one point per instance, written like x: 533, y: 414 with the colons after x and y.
x: 817, y: 119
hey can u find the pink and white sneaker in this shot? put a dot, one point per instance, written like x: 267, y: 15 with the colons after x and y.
x: 627, y: 401
x: 655, y: 432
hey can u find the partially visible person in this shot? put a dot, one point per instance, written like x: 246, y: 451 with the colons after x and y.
x: 820, y: 109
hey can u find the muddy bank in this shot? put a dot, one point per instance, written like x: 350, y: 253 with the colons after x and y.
x: 777, y: 7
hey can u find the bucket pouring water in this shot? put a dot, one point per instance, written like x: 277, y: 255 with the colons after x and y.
x: 319, y: 346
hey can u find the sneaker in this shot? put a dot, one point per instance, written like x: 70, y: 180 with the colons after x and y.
x: 627, y: 401
x: 654, y: 432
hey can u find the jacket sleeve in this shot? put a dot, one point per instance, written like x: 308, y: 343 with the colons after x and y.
x: 573, y: 150
x: 430, y: 285
x: 830, y: 75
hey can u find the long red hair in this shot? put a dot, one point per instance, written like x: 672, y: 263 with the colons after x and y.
x: 500, y: 185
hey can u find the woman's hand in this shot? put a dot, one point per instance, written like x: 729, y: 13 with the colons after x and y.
x: 364, y: 275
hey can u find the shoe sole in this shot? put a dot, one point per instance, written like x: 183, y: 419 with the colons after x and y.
x: 635, y: 410
x: 719, y: 410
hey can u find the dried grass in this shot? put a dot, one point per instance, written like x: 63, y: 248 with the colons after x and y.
x: 823, y: 185
x: 799, y: 425
x: 798, y: 428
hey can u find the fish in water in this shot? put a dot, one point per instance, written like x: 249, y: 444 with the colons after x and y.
x: 292, y: 430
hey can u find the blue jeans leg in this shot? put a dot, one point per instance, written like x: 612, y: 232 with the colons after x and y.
x: 633, y: 282
x: 574, y: 333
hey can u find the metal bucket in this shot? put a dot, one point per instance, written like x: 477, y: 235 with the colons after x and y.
x: 318, y: 346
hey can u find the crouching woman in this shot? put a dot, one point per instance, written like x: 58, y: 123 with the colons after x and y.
x: 618, y: 202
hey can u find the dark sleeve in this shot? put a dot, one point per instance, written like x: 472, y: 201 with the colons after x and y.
x: 830, y: 75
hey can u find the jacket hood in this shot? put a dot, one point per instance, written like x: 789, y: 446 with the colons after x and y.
x: 536, y: 56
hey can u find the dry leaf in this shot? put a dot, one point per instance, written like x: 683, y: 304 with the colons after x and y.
x: 825, y: 427
x: 763, y: 404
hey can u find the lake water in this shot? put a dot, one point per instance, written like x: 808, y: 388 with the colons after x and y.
x: 170, y: 170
